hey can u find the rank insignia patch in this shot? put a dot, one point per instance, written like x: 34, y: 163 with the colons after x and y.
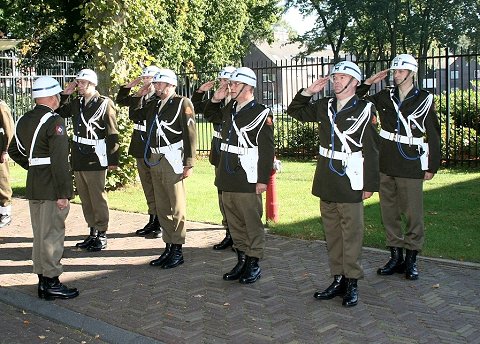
x: 60, y: 129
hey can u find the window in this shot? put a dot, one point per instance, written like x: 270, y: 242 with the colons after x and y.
x: 267, y: 95
x: 477, y: 74
x: 269, y: 77
x: 454, y: 74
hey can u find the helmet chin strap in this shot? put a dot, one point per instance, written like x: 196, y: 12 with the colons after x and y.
x: 343, y: 89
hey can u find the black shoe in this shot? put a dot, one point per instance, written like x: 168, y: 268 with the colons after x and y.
x: 149, y: 227
x: 99, y: 243
x: 155, y: 234
x: 251, y: 272
x: 411, y: 271
x: 238, y: 269
x: 337, y: 288
x: 163, y: 257
x: 175, y: 258
x: 351, y: 296
x: 56, y: 290
x: 225, y: 243
x: 5, y: 220
x: 88, y: 240
x: 395, y: 263
x: 41, y: 287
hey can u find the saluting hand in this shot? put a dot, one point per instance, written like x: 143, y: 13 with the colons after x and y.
x: 143, y: 91
x: 220, y: 94
x: 206, y: 86
x: 133, y: 83
x: 70, y: 88
x: 376, y: 77
x: 317, y: 85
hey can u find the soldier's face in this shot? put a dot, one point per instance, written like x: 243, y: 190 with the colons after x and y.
x: 85, y: 87
x: 147, y: 80
x: 401, y: 75
x: 342, y: 82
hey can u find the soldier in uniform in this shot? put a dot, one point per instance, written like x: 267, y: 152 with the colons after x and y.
x: 6, y: 134
x: 214, y: 157
x: 41, y: 147
x: 137, y: 144
x: 170, y: 149
x: 409, y: 155
x: 346, y: 173
x: 94, y: 150
x: 246, y: 159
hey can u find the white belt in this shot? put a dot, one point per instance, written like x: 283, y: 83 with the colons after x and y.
x: 140, y: 127
x: 328, y: 153
x: 400, y: 138
x: 38, y: 161
x: 217, y: 134
x: 85, y: 141
x: 166, y: 149
x: 234, y: 149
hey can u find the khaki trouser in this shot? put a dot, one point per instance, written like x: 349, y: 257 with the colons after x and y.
x: 244, y: 216
x: 220, y: 204
x: 147, y: 185
x: 91, y: 189
x: 170, y: 200
x: 5, y: 189
x: 402, y: 196
x: 343, y: 225
x: 48, y: 225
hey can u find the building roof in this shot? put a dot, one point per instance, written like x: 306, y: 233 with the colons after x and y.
x: 7, y: 44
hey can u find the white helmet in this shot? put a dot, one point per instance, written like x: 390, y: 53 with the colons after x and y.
x: 226, y: 72
x: 405, y: 61
x: 89, y: 75
x: 347, y: 67
x: 150, y: 71
x: 166, y: 75
x: 45, y: 86
x: 245, y: 75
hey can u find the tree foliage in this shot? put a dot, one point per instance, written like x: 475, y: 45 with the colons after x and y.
x: 373, y: 29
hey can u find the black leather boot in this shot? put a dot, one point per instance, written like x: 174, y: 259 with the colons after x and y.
x: 88, y: 240
x: 41, y: 287
x: 395, y: 264
x: 163, y: 257
x: 411, y: 272
x: 148, y: 227
x: 175, y: 258
x: 99, y: 243
x: 156, y: 231
x: 337, y: 288
x: 251, y: 272
x: 351, y: 296
x: 238, y: 269
x: 225, y: 243
x: 56, y: 290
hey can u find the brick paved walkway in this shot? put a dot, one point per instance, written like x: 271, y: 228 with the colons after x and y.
x: 132, y: 302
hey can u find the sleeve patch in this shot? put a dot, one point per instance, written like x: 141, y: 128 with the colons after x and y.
x: 59, y: 129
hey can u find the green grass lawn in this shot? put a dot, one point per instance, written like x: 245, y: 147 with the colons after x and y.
x: 452, y: 202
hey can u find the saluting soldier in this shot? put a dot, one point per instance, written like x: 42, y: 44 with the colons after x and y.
x: 246, y: 160
x: 41, y: 147
x: 6, y: 134
x: 137, y: 143
x: 199, y: 102
x: 95, y: 149
x: 170, y: 150
x: 346, y: 173
x: 409, y: 155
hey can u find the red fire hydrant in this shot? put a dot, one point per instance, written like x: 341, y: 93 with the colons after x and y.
x: 271, y: 202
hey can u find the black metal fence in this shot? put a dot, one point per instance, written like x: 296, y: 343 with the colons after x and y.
x: 453, y: 77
